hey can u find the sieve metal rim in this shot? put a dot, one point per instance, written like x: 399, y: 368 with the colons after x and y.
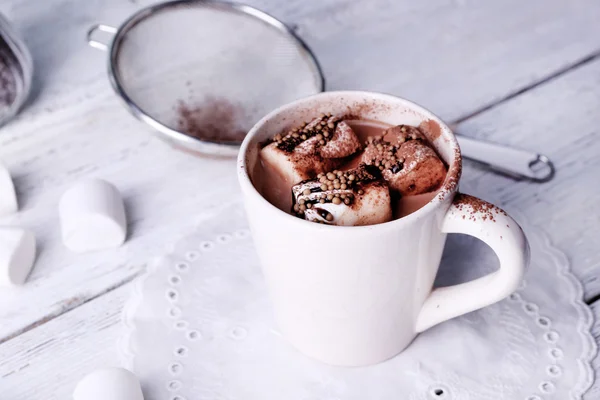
x: 22, y: 68
x: 172, y: 135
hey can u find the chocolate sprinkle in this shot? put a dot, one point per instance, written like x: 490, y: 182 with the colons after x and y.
x: 325, y: 183
x: 397, y: 168
x: 386, y: 151
x: 323, y: 127
x: 322, y: 213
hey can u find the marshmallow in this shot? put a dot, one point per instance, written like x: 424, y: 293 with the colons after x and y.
x: 343, y: 143
x: 423, y: 171
x: 407, y: 162
x: 304, y: 152
x: 363, y: 200
x: 109, y: 383
x: 8, y: 198
x: 92, y: 216
x: 17, y: 254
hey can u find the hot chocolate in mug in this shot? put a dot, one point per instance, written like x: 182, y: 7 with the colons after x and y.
x: 359, y: 295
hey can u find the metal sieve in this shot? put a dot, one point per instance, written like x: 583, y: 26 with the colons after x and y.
x: 202, y: 72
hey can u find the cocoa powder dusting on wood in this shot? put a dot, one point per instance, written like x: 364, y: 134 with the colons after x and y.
x: 475, y: 207
x: 215, y: 119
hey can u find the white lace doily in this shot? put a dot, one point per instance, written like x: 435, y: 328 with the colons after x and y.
x: 199, y: 327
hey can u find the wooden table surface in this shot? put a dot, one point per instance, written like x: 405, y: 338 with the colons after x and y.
x: 525, y: 74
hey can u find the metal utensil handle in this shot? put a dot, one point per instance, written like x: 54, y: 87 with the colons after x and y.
x: 519, y: 164
x: 100, y: 28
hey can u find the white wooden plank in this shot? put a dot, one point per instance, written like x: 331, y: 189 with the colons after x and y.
x: 559, y: 119
x: 162, y: 189
x: 76, y: 128
x: 452, y: 56
x: 47, y: 362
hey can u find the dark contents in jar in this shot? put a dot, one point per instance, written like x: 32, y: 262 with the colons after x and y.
x: 8, y: 82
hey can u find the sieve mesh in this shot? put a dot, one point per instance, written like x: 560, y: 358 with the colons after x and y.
x: 210, y: 70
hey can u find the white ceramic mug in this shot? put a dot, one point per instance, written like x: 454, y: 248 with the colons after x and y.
x: 355, y: 296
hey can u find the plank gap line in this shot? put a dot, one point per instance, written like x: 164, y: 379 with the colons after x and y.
x: 552, y: 76
x: 57, y: 314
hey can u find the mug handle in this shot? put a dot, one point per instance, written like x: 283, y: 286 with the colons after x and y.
x: 472, y: 216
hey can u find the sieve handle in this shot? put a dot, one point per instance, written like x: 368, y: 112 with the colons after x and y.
x: 516, y: 163
x: 100, y: 28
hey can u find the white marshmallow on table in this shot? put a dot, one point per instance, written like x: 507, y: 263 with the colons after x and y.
x: 17, y: 254
x: 92, y: 216
x: 109, y: 384
x: 8, y: 197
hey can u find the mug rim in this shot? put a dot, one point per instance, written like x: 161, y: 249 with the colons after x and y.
x: 447, y: 190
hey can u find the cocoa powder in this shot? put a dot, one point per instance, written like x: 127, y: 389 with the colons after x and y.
x: 432, y: 129
x: 214, y: 119
x: 475, y: 207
